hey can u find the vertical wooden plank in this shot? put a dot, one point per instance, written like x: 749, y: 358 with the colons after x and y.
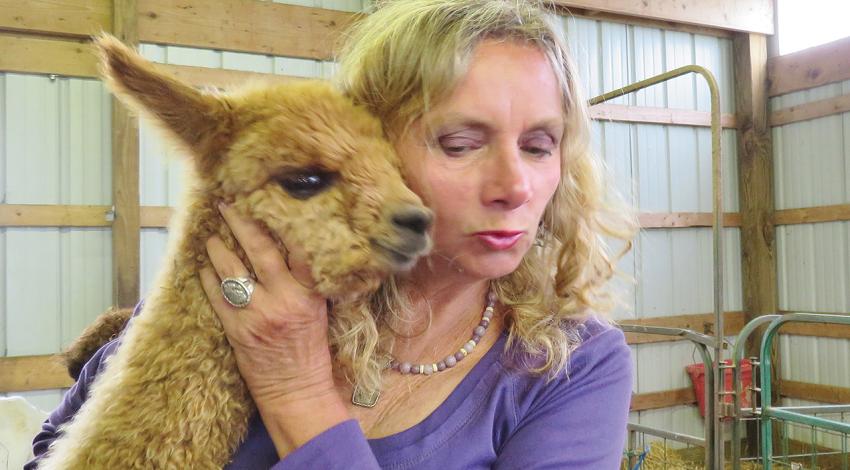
x: 125, y: 176
x: 755, y: 165
x: 755, y: 185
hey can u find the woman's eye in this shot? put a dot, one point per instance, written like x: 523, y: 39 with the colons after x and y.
x: 458, y: 146
x: 539, y: 146
x: 537, y: 151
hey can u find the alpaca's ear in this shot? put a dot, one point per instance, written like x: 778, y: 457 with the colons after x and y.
x: 201, y: 121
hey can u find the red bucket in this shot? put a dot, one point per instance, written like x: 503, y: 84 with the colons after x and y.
x: 697, y: 373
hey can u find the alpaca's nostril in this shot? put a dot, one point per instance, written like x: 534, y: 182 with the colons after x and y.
x: 415, y: 220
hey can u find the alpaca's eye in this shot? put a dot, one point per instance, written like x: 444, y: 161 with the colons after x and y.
x: 306, y: 184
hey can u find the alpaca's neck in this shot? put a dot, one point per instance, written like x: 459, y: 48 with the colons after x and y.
x: 192, y: 226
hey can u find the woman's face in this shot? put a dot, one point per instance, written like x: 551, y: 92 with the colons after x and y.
x: 487, y: 159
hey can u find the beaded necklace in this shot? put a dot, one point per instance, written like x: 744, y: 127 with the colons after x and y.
x: 365, y: 399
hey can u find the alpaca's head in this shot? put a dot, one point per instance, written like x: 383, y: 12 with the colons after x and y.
x: 300, y: 158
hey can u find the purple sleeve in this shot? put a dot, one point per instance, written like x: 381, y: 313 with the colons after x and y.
x: 343, y: 446
x: 578, y: 423
x: 72, y: 400
x: 71, y: 403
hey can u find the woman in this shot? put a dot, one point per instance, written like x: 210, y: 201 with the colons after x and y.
x: 490, y: 351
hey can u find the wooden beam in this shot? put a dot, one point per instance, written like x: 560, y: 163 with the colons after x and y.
x: 156, y: 216
x: 74, y: 58
x: 653, y: 115
x: 755, y: 170
x: 816, y: 66
x: 26, y: 54
x: 125, y: 177
x: 817, y: 330
x: 814, y: 392
x: 34, y: 215
x: 664, y: 399
x: 76, y: 18
x: 236, y: 25
x: 811, y: 215
x: 685, y: 219
x: 243, y: 25
x: 755, y: 190
x: 28, y: 373
x: 753, y: 16
x: 699, y: 322
x: 812, y: 110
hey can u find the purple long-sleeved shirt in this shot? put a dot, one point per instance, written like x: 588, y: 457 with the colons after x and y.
x: 497, y: 417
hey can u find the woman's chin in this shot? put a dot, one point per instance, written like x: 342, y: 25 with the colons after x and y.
x: 478, y: 264
x: 493, y: 265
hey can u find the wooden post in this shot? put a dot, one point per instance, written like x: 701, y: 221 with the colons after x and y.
x: 125, y: 176
x: 755, y: 170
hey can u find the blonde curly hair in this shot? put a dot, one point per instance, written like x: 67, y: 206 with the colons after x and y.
x: 400, y: 61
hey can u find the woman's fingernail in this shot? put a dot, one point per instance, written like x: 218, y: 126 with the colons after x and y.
x: 222, y: 205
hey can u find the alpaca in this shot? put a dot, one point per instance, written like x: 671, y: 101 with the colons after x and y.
x: 309, y: 165
x: 104, y: 329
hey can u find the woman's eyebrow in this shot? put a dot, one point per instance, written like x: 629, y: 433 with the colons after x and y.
x: 551, y: 124
x: 459, y: 119
x: 548, y: 124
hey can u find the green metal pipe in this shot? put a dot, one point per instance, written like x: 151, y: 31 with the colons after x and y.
x: 737, y: 357
x: 807, y: 420
x: 766, y: 409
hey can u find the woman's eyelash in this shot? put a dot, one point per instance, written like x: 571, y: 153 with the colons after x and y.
x: 455, y: 145
x: 538, y: 151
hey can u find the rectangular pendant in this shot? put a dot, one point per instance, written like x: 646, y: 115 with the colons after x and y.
x: 363, y: 398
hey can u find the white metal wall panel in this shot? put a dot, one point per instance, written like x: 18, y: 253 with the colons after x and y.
x: 813, y: 263
x: 811, y: 157
x: 582, y: 37
x: 648, y: 61
x: 613, y: 142
x: 664, y: 169
x: 4, y: 312
x: 812, y: 168
x: 616, y: 68
x: 55, y: 150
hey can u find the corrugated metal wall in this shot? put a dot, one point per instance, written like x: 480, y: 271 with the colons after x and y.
x: 659, y: 168
x: 812, y: 168
x: 54, y: 149
x: 664, y: 169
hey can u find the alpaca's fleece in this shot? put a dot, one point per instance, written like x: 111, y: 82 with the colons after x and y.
x: 312, y: 168
x: 107, y: 327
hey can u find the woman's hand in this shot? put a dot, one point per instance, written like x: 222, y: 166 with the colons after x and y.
x: 280, y: 338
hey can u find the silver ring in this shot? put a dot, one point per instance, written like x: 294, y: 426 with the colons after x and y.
x: 237, y: 290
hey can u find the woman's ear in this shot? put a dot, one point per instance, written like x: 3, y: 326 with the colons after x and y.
x: 200, y: 121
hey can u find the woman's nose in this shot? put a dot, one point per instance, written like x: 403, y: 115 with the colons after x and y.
x: 508, y: 184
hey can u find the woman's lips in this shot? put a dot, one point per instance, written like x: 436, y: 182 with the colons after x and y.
x: 499, y: 240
